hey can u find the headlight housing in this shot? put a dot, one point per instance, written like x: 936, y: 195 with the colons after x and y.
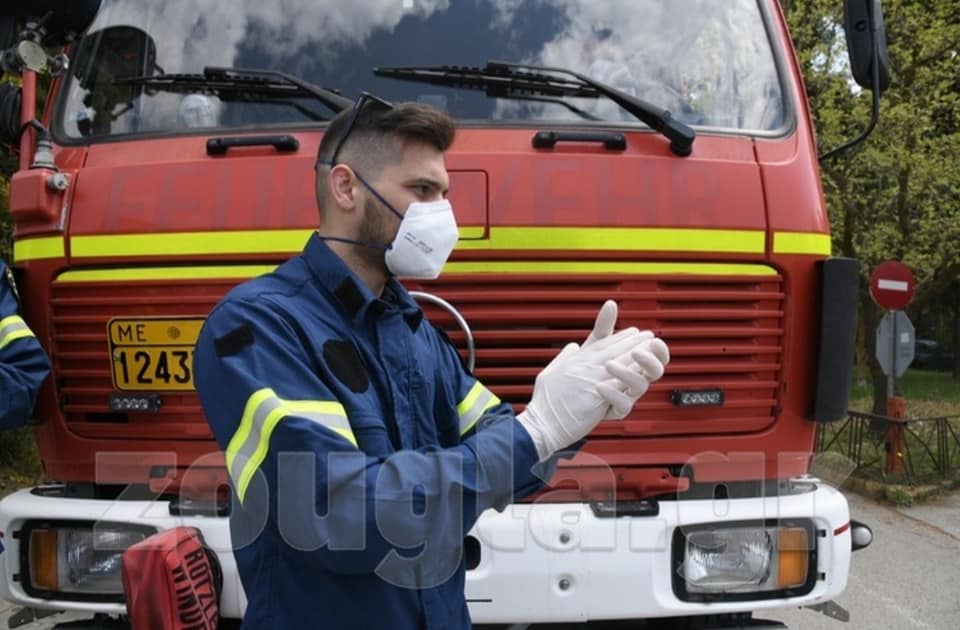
x: 746, y: 560
x: 76, y: 560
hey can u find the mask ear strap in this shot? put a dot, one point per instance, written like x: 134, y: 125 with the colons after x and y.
x: 378, y: 196
x: 382, y: 248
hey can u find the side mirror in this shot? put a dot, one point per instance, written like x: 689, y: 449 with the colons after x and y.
x: 116, y: 52
x: 100, y: 60
x: 866, y: 41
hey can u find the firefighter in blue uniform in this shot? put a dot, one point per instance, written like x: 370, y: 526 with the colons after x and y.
x: 23, y: 363
x: 360, y: 451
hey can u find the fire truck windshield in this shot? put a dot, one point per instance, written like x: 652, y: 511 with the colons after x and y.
x: 710, y: 63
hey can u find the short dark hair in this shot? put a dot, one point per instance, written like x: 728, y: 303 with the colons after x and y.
x: 379, y: 132
x: 377, y: 137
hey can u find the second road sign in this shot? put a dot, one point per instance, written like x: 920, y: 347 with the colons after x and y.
x: 895, y: 324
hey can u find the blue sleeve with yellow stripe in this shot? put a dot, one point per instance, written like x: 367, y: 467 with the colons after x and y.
x: 295, y: 465
x: 23, y: 363
x: 465, y: 399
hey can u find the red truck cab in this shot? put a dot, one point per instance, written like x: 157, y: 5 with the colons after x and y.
x: 181, y: 166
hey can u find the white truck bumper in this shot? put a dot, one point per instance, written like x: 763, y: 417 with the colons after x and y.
x: 538, y: 562
x: 622, y: 568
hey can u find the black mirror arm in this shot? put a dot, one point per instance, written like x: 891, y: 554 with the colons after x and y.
x: 875, y: 114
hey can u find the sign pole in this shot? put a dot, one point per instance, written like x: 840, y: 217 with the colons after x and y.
x: 892, y: 286
x: 892, y: 376
x: 896, y: 409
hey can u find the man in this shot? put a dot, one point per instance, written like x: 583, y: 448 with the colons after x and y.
x: 23, y: 363
x: 360, y: 451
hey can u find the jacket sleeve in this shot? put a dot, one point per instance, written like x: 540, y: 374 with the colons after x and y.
x: 23, y: 363
x: 466, y: 405
x: 293, y: 458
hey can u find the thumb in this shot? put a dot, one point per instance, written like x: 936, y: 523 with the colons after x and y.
x: 603, y: 326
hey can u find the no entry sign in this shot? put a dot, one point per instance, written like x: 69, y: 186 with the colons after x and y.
x: 892, y: 285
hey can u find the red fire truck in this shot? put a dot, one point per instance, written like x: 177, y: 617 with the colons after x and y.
x: 659, y: 153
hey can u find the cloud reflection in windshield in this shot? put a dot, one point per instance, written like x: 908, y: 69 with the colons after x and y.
x: 708, y: 61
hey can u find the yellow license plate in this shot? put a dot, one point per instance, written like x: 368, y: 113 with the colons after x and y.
x: 153, y: 354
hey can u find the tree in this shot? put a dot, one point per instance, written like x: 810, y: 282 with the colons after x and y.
x: 898, y: 195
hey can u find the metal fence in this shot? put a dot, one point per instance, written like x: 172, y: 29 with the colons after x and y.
x: 930, y: 447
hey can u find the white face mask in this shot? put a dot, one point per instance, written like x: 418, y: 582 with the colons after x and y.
x: 427, y: 235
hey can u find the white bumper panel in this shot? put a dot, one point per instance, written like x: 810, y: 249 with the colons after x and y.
x: 539, y: 562
x: 23, y: 506
x: 621, y: 568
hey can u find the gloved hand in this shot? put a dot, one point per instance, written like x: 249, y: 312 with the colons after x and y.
x: 631, y: 380
x: 566, y: 402
x: 632, y: 376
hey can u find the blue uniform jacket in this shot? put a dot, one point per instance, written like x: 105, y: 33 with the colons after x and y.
x: 23, y: 363
x: 360, y: 451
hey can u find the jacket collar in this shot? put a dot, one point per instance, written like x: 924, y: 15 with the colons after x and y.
x: 355, y: 298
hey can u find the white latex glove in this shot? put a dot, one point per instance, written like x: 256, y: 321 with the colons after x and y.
x: 604, y: 324
x: 632, y: 375
x: 632, y: 379
x: 566, y: 403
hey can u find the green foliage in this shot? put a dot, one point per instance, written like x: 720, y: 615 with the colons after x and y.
x: 898, y: 195
x: 898, y: 495
x: 18, y: 453
x: 928, y: 394
x: 6, y: 228
x: 8, y: 164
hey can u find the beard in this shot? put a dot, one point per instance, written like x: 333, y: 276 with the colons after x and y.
x: 373, y: 230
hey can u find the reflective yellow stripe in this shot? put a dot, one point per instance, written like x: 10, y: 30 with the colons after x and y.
x: 13, y: 328
x: 25, y: 249
x: 11, y: 319
x: 633, y: 268
x: 500, y: 238
x: 166, y: 273
x: 187, y: 243
x: 471, y: 231
x: 479, y: 267
x: 478, y: 400
x: 801, y: 243
x: 262, y: 413
x: 622, y: 239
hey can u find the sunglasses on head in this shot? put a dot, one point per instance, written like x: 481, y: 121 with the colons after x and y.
x: 366, y: 100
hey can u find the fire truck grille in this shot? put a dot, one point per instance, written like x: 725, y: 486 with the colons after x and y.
x: 725, y: 333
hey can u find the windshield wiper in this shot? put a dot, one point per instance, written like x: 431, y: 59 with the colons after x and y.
x: 501, y: 79
x: 240, y: 83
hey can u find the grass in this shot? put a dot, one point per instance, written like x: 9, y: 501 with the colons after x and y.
x: 928, y: 394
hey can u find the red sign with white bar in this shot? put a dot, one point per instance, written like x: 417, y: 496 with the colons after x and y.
x: 892, y: 285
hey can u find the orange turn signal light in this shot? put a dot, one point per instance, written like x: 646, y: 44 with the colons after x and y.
x: 43, y: 559
x: 794, y: 557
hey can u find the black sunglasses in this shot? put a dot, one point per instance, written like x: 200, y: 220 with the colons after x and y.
x: 366, y: 99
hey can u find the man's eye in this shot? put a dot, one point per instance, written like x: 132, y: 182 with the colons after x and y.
x: 421, y: 190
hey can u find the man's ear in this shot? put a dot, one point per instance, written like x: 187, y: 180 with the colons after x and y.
x: 344, y: 187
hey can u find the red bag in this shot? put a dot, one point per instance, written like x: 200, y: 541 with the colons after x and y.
x: 172, y: 581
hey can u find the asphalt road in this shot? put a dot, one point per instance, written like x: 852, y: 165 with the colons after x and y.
x: 908, y: 579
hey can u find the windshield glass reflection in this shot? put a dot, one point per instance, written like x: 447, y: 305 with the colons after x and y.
x: 709, y: 62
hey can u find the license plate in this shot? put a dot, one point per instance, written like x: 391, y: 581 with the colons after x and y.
x: 153, y: 354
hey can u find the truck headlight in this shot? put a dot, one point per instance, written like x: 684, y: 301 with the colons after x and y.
x: 740, y: 561
x: 78, y: 560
